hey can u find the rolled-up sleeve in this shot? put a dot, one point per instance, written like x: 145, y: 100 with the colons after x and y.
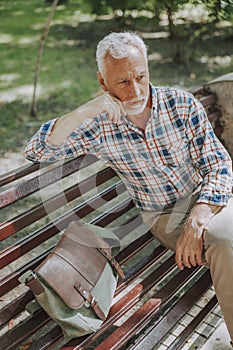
x: 210, y: 157
x: 39, y: 149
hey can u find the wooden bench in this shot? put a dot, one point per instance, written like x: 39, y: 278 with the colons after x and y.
x: 38, y: 201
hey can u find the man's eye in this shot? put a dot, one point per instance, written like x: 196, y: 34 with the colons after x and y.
x: 140, y: 77
x: 122, y: 82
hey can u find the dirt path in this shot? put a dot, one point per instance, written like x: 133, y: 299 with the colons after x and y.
x: 12, y: 161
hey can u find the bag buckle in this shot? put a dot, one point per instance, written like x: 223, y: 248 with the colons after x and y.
x: 88, y: 297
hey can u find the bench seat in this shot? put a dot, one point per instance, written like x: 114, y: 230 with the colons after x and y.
x: 37, y: 203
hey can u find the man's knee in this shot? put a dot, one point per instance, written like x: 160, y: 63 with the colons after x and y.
x: 220, y: 228
x: 219, y: 252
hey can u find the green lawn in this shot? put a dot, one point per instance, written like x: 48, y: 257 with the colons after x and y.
x: 68, y: 69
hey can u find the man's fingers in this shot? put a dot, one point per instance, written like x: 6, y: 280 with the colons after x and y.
x: 179, y: 261
x: 186, y: 260
x: 116, y: 106
x: 199, y: 258
x: 193, y: 260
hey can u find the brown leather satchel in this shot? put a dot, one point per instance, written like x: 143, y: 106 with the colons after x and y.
x: 75, y: 284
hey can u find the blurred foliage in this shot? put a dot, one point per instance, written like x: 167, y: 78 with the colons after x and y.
x: 100, y: 7
x: 217, y: 9
x: 183, y: 38
x: 68, y: 67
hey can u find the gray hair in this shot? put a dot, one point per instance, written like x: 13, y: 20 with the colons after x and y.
x: 117, y: 45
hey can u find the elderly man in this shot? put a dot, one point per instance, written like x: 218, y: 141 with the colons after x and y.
x: 160, y: 142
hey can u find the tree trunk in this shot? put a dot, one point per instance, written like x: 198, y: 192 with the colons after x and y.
x: 39, y: 55
x: 178, y: 54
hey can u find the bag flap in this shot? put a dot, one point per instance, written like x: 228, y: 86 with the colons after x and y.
x: 84, y: 234
x: 75, y: 260
x: 81, y: 233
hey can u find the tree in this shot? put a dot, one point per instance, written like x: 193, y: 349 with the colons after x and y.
x: 170, y: 8
x: 39, y: 55
x: 186, y: 37
x: 218, y: 9
x: 105, y: 6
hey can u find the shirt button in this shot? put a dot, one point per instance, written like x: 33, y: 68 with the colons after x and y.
x: 159, y: 162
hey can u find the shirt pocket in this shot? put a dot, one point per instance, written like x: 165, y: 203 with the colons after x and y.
x: 175, y: 154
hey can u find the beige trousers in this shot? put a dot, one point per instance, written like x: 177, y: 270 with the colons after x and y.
x: 218, y: 246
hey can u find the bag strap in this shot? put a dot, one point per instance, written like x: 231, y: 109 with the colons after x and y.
x: 91, y: 300
x: 112, y: 261
x: 34, y: 285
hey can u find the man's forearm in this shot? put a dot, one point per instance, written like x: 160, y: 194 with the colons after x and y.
x: 68, y: 123
x: 65, y: 125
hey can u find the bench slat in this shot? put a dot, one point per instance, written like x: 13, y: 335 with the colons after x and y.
x: 18, y: 173
x: 23, y: 332
x: 160, y: 329
x: 43, y: 180
x: 144, y: 314
x: 48, y: 340
x: 126, y: 303
x: 48, y: 206
x: 11, y: 281
x: 124, y: 333
x: 15, y: 307
x: 214, y: 116
x: 41, y: 319
x: 28, y: 243
x: 181, y: 338
x: 208, y: 100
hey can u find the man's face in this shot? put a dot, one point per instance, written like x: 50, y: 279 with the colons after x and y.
x: 128, y: 80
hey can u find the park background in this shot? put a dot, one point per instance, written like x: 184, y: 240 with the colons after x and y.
x: 189, y: 43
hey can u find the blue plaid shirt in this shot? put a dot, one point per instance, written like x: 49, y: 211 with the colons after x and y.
x: 177, y: 153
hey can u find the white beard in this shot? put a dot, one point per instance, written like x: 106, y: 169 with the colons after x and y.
x: 137, y: 109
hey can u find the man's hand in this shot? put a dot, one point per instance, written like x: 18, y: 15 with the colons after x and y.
x: 189, y: 247
x: 105, y: 103
x: 189, y: 244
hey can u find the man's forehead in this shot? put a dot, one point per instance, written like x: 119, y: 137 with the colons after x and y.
x: 126, y: 53
x: 136, y: 61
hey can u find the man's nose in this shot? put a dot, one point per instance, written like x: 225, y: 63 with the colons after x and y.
x: 134, y: 90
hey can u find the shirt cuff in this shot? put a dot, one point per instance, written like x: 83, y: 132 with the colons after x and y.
x: 45, y: 132
x: 216, y: 198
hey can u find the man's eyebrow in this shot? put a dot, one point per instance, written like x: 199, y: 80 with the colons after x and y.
x: 140, y: 72
x: 121, y: 78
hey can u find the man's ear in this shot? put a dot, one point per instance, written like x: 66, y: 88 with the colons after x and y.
x: 101, y: 81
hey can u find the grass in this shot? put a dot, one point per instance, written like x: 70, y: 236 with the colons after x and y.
x: 68, y: 70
